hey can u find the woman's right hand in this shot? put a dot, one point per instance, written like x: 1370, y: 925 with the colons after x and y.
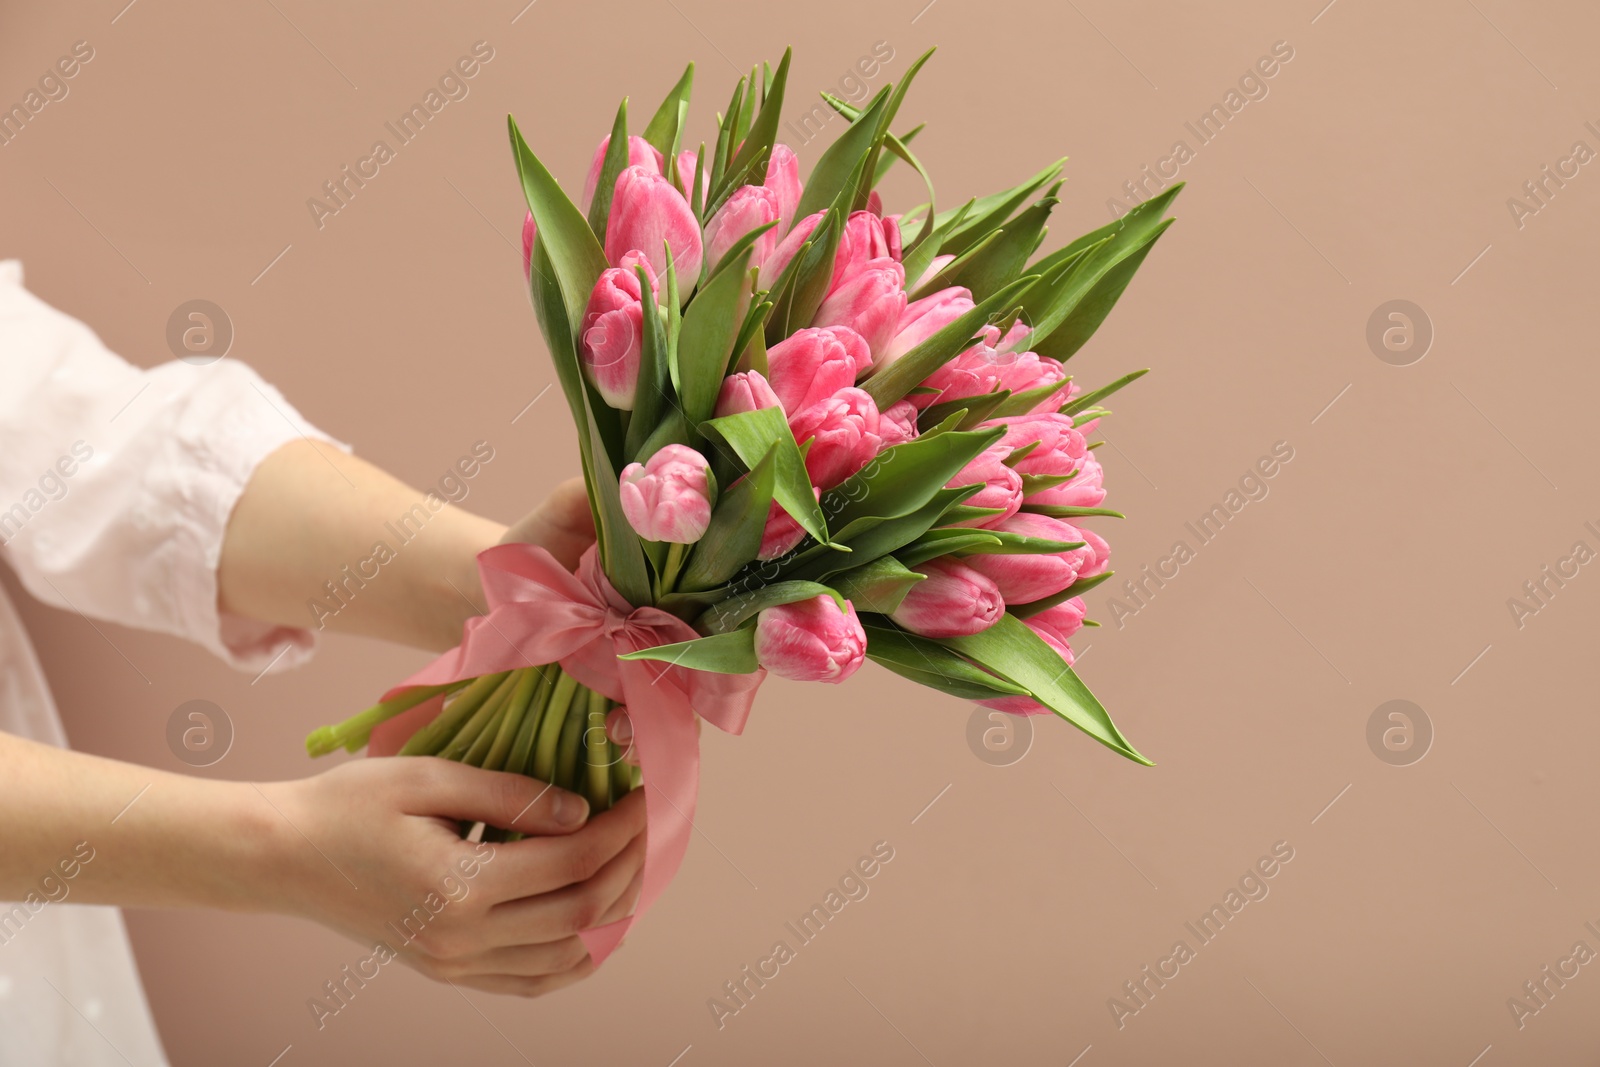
x: 371, y: 849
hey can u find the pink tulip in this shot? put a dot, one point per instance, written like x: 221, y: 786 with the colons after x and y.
x: 813, y: 364
x: 529, y: 232
x: 898, y: 424
x: 869, y: 302
x: 749, y: 207
x: 1026, y: 577
x: 640, y: 154
x: 668, y: 498
x: 611, y: 340
x: 1058, y: 448
x: 647, y: 213
x: 982, y: 369
x: 1085, y: 490
x: 811, y: 640
x: 864, y: 240
x: 843, y: 431
x: 939, y: 263
x: 783, y: 178
x: 686, y: 165
x: 1002, y: 486
x: 745, y: 391
x: 772, y: 269
x: 924, y: 318
x: 952, y: 601
x: 1053, y: 626
x: 781, y: 534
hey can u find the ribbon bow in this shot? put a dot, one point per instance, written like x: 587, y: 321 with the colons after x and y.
x: 541, y: 613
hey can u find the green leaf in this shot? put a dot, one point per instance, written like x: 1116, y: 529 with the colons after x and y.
x: 943, y: 279
x: 764, y: 131
x: 904, y: 141
x: 663, y: 129
x: 1088, y: 400
x: 911, y: 369
x: 1092, y: 307
x: 936, y: 543
x: 734, y: 536
x: 740, y: 247
x: 650, y: 395
x: 710, y: 327
x: 616, y: 161
x: 620, y: 548
x: 879, y: 586
x: 752, y: 435
x: 733, y: 612
x: 729, y: 653
x: 1013, y: 651
x: 1010, y: 543
x: 1004, y: 258
x: 992, y: 211
x: 1137, y: 223
x: 838, y: 170
x: 576, y: 258
x: 967, y: 410
x: 1067, y: 511
x: 920, y: 254
x: 727, y: 125
x: 905, y: 477
x: 870, y: 537
x: 813, y: 275
x: 1025, y: 401
x: 903, y: 652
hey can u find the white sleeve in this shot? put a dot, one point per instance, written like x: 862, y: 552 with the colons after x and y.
x: 116, y: 483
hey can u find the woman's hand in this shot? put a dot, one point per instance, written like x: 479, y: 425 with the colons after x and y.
x: 390, y: 869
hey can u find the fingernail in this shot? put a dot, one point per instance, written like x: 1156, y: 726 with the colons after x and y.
x: 621, y: 729
x: 570, y: 809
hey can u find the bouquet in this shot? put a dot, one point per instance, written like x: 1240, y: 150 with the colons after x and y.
x: 812, y: 434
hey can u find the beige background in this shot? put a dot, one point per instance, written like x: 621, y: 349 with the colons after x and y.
x: 1379, y: 567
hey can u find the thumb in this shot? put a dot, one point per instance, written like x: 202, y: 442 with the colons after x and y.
x: 497, y: 798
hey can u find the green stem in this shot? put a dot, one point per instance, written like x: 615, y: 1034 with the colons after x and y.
x: 355, y: 731
x: 464, y: 739
x: 511, y: 723
x: 544, y: 748
x: 572, y: 743
x: 520, y: 760
x: 597, y: 751
x: 674, y: 564
x: 621, y: 774
x: 429, y: 739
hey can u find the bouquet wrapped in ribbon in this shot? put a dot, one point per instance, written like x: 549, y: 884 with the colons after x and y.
x: 812, y: 434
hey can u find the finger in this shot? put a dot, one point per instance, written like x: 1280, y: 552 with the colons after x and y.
x: 619, y: 728
x: 543, y: 864
x: 518, y: 986
x: 508, y: 801
x: 626, y: 902
x: 563, y: 524
x: 582, y: 906
x: 525, y: 961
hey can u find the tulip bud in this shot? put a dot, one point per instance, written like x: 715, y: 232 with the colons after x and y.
x: 687, y: 161
x: 983, y: 369
x: 640, y: 154
x: 529, y: 232
x: 1058, y: 448
x: 924, y: 318
x: 745, y: 391
x: 1025, y: 577
x: 772, y: 269
x: 1002, y: 486
x: 899, y: 424
x: 783, y: 178
x: 749, y: 207
x: 668, y: 498
x: 843, y: 431
x: 939, y: 263
x: 611, y: 341
x: 864, y: 240
x: 811, y: 640
x: 1085, y: 490
x: 647, y: 213
x: 813, y: 364
x: 869, y: 302
x: 952, y: 601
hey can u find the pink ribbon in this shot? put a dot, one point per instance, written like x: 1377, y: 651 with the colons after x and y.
x: 540, y: 613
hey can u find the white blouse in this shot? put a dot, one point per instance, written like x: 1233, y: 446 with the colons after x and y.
x: 116, y: 485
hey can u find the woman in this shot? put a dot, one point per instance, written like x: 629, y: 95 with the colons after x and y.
x: 193, y: 500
